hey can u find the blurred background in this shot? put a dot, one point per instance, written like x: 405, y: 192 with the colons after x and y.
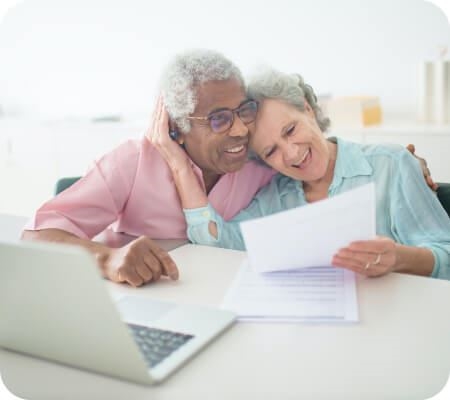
x: 79, y: 77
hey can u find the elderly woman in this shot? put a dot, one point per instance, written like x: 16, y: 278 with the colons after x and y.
x: 288, y: 135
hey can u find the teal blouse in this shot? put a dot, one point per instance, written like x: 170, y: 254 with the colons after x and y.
x: 407, y: 210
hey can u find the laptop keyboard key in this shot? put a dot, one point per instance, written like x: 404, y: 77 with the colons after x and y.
x: 157, y: 344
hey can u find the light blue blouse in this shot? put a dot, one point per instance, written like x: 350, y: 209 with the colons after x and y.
x: 407, y: 210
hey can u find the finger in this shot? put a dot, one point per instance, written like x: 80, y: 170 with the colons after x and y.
x: 411, y: 148
x: 355, y: 266
x: 144, y: 272
x: 153, y: 265
x: 361, y: 257
x: 164, y: 124
x: 153, y: 122
x: 431, y: 183
x: 368, y: 246
x: 169, y: 267
x: 347, y: 264
x: 115, y: 276
x: 157, y: 112
x: 128, y: 274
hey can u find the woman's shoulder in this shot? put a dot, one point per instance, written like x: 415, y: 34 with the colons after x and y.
x: 390, y: 149
x: 384, y: 152
x: 383, y: 156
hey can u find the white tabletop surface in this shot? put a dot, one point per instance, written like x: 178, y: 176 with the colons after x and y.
x: 400, y: 349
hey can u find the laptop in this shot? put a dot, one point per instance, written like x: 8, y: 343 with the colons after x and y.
x: 54, y: 304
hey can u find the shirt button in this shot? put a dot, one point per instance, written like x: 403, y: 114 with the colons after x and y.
x: 206, y: 213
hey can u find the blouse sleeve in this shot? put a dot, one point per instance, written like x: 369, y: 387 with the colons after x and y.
x: 418, y: 217
x: 229, y: 233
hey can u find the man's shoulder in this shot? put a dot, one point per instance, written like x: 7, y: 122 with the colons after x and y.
x: 128, y: 151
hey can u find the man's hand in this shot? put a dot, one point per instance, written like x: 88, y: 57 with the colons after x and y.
x: 158, y: 134
x: 139, y: 262
x: 425, y: 169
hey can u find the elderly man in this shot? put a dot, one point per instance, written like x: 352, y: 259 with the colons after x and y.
x: 132, y: 188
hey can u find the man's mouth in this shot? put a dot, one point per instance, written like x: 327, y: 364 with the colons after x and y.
x: 236, y: 149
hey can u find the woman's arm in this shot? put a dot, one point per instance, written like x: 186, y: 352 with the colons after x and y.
x: 420, y: 226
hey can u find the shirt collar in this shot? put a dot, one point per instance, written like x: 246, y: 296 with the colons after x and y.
x: 350, y: 161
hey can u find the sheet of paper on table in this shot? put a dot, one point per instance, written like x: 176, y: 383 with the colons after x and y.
x: 287, y: 276
x: 317, y: 294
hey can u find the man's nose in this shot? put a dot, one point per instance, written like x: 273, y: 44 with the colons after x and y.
x: 238, y: 128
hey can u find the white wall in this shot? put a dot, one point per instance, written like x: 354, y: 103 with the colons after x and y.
x: 87, y: 57
x: 62, y: 61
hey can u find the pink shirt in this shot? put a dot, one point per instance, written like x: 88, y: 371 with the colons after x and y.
x: 132, y: 188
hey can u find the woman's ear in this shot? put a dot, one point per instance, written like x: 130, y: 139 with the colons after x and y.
x: 308, y: 108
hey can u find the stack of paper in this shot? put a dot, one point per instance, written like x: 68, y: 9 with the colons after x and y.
x: 298, y: 245
x: 320, y: 294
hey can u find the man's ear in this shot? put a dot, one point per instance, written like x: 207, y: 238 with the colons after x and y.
x: 175, y: 133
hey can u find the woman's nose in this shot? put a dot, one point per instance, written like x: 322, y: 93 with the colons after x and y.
x: 290, y: 153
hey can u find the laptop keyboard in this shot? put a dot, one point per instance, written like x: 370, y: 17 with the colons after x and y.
x: 157, y: 344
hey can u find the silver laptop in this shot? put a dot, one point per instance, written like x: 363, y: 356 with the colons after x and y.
x: 55, y: 305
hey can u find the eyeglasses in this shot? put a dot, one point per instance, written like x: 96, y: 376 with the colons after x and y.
x: 222, y: 120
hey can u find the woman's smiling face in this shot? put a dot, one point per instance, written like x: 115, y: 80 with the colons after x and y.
x: 290, y: 140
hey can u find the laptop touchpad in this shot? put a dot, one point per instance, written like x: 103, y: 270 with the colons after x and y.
x: 142, y: 309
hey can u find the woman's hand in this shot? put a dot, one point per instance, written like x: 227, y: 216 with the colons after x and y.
x: 158, y: 134
x: 372, y: 258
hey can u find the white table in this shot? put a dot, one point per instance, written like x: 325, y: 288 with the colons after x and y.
x: 400, y: 349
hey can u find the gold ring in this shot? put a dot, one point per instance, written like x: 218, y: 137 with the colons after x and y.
x: 377, y: 261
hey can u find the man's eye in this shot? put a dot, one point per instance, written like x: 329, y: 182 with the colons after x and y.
x: 269, y: 153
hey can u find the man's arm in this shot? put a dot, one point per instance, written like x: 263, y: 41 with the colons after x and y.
x: 137, y: 263
x: 423, y: 165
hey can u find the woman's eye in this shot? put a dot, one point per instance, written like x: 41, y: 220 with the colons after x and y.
x: 290, y: 130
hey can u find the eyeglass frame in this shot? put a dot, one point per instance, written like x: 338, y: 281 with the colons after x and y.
x: 233, y: 111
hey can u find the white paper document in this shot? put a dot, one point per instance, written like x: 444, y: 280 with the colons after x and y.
x: 309, y: 236
x: 318, y: 294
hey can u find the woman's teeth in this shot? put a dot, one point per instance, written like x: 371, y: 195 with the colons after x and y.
x: 235, y: 149
x: 303, y: 159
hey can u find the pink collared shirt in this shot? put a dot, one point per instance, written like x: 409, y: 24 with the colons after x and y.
x: 132, y: 188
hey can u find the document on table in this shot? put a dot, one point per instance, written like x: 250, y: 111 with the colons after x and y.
x: 317, y: 294
x: 309, y: 236
x: 288, y: 276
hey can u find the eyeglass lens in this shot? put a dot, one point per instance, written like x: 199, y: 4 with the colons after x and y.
x: 222, y: 120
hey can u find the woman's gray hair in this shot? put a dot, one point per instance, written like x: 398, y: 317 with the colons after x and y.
x: 183, y: 76
x: 291, y: 88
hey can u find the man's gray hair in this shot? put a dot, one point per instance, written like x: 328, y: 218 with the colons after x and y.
x: 183, y: 76
x: 291, y: 88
